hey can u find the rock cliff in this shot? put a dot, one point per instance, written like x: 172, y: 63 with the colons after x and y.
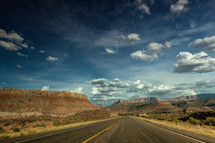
x: 156, y: 99
x: 20, y: 102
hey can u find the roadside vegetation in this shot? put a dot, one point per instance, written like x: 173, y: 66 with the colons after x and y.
x: 201, y: 122
x: 38, y: 124
x: 42, y: 128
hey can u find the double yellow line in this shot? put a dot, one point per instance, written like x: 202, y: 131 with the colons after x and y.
x: 108, y: 128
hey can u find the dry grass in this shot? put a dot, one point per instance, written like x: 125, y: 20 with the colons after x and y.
x: 206, y: 130
x: 29, y: 131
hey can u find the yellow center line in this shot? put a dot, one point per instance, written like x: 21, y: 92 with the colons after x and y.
x: 108, y: 128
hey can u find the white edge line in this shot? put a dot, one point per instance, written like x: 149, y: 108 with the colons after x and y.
x: 80, y: 127
x: 40, y: 137
x: 176, y: 133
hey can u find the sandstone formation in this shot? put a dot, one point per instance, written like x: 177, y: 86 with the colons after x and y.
x: 156, y: 99
x: 157, y: 105
x: 20, y: 102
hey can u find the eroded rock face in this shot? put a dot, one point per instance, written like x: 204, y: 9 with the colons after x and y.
x: 156, y: 99
x: 20, y: 102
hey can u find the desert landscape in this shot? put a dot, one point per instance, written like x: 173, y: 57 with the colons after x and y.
x: 107, y: 71
x: 22, y: 112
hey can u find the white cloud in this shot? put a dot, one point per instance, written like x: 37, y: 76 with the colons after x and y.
x: 11, y: 36
x: 3, y: 82
x: 19, y: 66
x: 23, y: 55
x: 24, y: 45
x: 168, y: 44
x: 153, y: 49
x: 117, y: 83
x: 94, y: 91
x: 78, y: 90
x: 9, y: 46
x: 199, y: 63
x: 41, y: 51
x: 140, y: 55
x: 130, y: 90
x: 45, y: 88
x: 143, y: 7
x: 179, y: 7
x: 131, y: 38
x: 100, y: 82
x: 110, y: 51
x: 12, y: 41
x: 207, y: 43
x: 50, y: 58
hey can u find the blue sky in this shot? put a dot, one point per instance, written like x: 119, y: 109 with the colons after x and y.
x: 109, y: 50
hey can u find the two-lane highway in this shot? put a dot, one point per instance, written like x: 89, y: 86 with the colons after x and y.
x: 120, y: 130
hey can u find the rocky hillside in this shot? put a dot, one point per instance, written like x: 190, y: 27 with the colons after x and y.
x: 156, y: 99
x: 198, y: 105
x: 19, y: 103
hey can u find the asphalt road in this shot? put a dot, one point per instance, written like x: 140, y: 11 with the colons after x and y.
x: 120, y: 130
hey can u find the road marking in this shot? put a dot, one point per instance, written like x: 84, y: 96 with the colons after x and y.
x: 41, y: 137
x: 176, y: 133
x: 108, y: 128
x: 80, y: 127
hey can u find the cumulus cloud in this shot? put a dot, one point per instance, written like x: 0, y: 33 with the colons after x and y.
x: 105, y: 91
x: 11, y: 36
x: 199, y: 63
x: 207, y: 43
x: 179, y: 6
x: 19, y: 66
x: 118, y: 83
x: 140, y: 55
x: 50, y: 58
x: 131, y: 38
x: 116, y: 88
x: 9, y: 46
x: 23, y: 55
x: 45, y: 87
x: 78, y: 90
x: 153, y: 49
x: 100, y: 82
x: 41, y: 51
x: 12, y: 41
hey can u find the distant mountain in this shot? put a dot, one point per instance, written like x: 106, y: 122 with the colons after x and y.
x: 157, y: 105
x: 156, y: 99
x: 100, y: 105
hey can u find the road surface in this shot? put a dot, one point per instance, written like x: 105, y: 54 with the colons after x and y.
x: 120, y: 130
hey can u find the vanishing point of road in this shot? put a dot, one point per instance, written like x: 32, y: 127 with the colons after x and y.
x: 119, y: 130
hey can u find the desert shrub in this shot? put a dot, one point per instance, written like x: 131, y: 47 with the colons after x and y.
x: 39, y: 125
x: 16, y: 129
x: 57, y: 123
x: 209, y: 121
x: 194, y: 121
